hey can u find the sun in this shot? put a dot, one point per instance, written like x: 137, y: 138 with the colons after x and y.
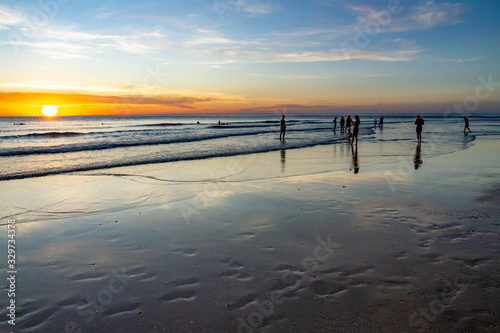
x: 49, y: 110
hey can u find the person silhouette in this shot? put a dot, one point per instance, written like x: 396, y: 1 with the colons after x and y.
x: 381, y: 122
x: 355, y: 129
x: 342, y: 124
x: 466, y: 124
x: 348, y: 122
x: 334, y: 124
x: 282, y: 128
x: 419, y: 122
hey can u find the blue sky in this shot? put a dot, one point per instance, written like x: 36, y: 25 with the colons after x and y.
x: 254, y: 55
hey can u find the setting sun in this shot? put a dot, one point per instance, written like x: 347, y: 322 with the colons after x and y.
x: 49, y: 110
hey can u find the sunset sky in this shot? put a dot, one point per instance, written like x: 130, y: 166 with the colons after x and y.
x: 193, y: 56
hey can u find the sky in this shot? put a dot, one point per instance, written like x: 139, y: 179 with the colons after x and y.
x: 248, y: 56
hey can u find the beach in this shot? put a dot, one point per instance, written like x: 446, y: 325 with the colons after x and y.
x: 312, y: 239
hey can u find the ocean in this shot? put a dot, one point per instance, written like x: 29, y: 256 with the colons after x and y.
x: 42, y: 146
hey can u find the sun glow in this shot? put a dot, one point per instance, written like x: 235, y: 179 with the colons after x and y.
x: 49, y: 110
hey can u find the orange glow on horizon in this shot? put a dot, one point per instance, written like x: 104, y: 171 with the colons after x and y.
x: 22, y: 104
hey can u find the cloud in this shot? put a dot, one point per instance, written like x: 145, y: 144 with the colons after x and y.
x: 275, y: 76
x: 338, y: 55
x: 10, y: 17
x: 252, y: 8
x: 429, y: 14
x: 425, y: 15
x: 460, y: 60
x: 255, y: 8
x: 68, y: 43
x: 75, y: 99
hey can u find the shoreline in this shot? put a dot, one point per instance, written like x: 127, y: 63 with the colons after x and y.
x: 257, y: 245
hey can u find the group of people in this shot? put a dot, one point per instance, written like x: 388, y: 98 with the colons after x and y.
x: 380, y: 122
x: 345, y: 127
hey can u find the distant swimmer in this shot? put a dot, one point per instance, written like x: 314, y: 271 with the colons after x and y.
x: 466, y: 124
x: 381, y: 122
x: 282, y: 128
x: 348, y: 122
x: 334, y: 124
x: 355, y: 129
x: 342, y: 124
x: 419, y: 122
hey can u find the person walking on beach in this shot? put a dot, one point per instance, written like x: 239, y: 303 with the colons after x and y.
x: 419, y: 122
x: 334, y: 124
x: 282, y: 128
x: 348, y: 122
x: 355, y: 129
x: 381, y: 122
x: 466, y: 124
x: 342, y: 123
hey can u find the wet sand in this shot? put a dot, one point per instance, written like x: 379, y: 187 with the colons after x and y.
x: 290, y: 241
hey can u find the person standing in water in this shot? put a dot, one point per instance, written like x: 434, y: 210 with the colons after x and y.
x: 381, y: 122
x: 334, y: 124
x: 283, y: 128
x: 419, y: 122
x: 466, y: 124
x: 355, y: 129
x: 348, y: 122
x: 342, y: 123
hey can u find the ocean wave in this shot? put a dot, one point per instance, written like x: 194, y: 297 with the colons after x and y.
x: 43, y: 135
x: 162, y: 125
x: 152, y: 159
x: 107, y: 144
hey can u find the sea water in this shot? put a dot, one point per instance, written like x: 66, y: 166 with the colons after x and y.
x: 37, y: 146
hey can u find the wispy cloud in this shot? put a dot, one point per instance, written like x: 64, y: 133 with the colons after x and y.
x: 256, y: 8
x: 70, y: 42
x: 429, y: 14
x: 460, y: 60
x: 10, y: 16
x: 338, y: 55
x: 425, y: 15
x: 276, y: 76
x: 253, y: 8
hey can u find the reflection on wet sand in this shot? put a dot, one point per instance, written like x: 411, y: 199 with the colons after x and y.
x: 355, y: 164
x: 417, y: 160
x: 283, y: 159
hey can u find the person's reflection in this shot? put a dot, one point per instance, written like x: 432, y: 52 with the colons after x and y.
x: 417, y: 160
x: 465, y: 142
x: 283, y: 159
x: 355, y: 164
